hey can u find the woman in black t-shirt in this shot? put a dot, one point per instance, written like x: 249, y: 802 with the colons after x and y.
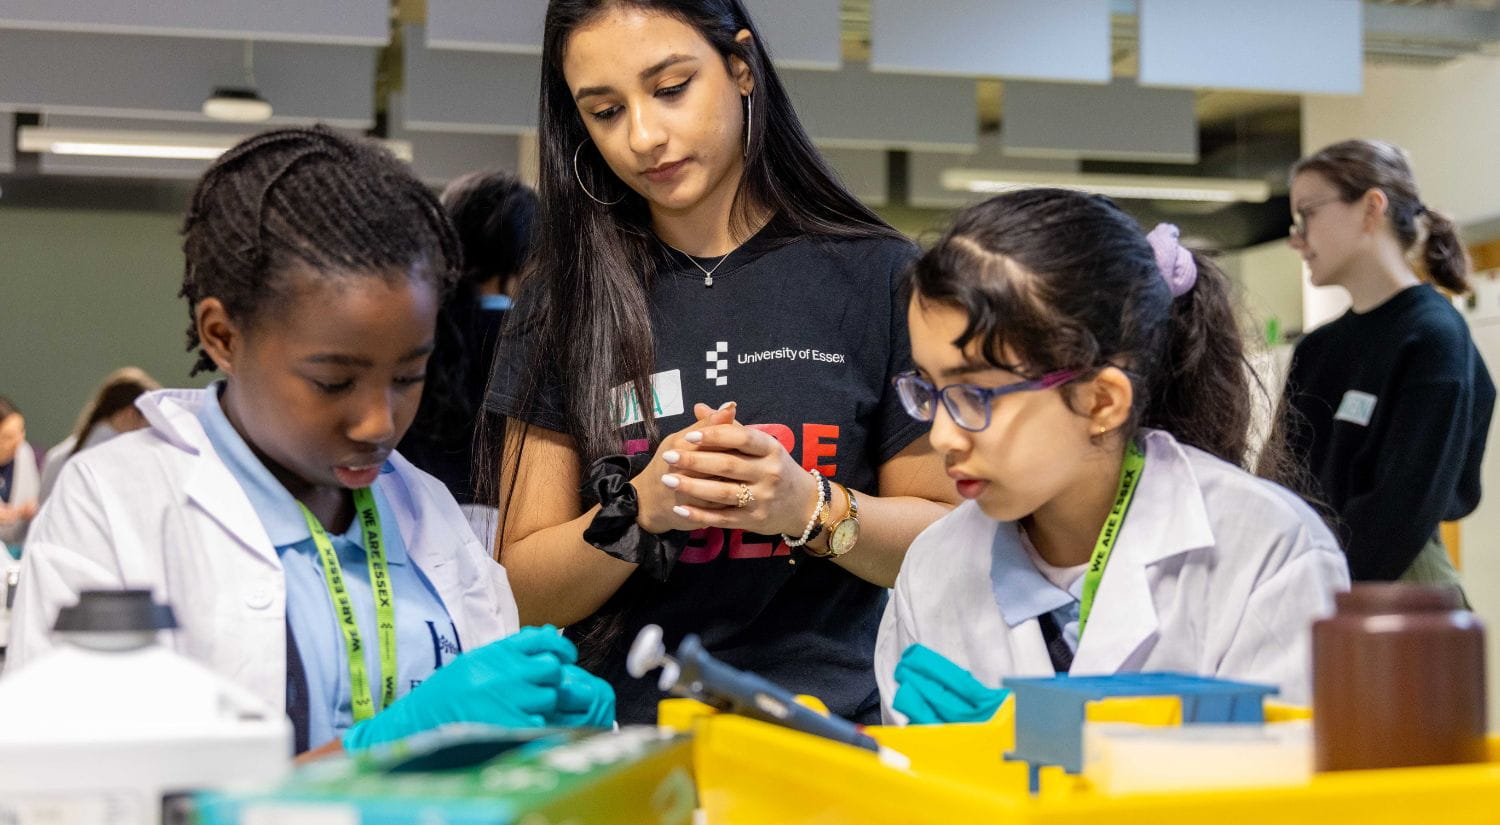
x: 1390, y: 403
x: 696, y: 253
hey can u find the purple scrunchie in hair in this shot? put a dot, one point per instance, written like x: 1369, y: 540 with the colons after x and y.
x: 1175, y: 262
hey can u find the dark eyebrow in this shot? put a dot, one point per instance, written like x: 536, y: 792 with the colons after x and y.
x: 646, y: 74
x: 338, y: 359
x: 963, y: 370
x: 971, y: 367
x: 342, y: 360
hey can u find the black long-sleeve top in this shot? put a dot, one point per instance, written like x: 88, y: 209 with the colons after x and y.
x: 1394, y: 408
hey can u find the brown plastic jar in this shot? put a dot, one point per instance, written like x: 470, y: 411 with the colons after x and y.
x: 1398, y: 680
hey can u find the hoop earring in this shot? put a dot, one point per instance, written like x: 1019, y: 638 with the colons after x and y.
x: 749, y: 120
x: 579, y: 178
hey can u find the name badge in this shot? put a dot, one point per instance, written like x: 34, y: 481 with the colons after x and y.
x: 1356, y: 408
x: 666, y: 399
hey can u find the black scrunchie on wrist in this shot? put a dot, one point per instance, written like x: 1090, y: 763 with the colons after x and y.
x: 615, y: 531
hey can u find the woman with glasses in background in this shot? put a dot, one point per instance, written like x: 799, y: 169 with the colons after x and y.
x: 1389, y: 405
x: 1089, y: 391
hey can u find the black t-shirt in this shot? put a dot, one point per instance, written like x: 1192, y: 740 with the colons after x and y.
x: 1394, y: 409
x: 805, y: 334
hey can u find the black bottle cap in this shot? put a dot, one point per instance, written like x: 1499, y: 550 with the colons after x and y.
x: 115, y: 611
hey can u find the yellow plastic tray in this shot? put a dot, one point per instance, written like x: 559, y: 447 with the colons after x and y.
x: 750, y: 773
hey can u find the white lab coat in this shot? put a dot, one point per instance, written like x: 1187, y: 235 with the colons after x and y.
x: 25, y: 485
x: 158, y: 509
x: 56, y: 457
x: 1216, y: 572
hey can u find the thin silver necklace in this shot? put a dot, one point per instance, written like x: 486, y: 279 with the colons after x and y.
x: 708, y: 274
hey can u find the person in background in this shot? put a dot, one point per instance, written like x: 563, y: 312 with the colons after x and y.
x: 1388, y: 406
x: 20, y: 477
x: 110, y: 412
x: 493, y: 214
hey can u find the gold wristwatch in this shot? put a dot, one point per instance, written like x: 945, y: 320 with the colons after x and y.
x: 844, y: 534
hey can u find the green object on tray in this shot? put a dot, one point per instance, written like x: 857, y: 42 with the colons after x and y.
x: 475, y: 775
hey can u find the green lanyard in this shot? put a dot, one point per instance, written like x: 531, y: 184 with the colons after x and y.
x: 343, y: 606
x: 1130, y: 475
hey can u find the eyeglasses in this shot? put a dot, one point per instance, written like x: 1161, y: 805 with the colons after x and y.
x: 1298, y: 228
x: 969, y: 406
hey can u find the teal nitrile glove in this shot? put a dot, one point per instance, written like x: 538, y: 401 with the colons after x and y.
x: 584, y: 700
x: 934, y: 690
x: 513, y: 682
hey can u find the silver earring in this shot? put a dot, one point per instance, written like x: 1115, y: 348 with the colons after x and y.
x: 749, y: 120
x: 579, y: 178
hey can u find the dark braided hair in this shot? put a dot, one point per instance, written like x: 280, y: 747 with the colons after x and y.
x: 312, y: 197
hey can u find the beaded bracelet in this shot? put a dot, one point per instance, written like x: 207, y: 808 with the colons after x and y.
x: 814, y: 524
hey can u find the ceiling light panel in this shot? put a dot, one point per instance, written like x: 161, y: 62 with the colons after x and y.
x: 136, y: 152
x: 472, y: 92
x: 1056, y: 40
x: 1300, y: 46
x: 169, y: 77
x: 1145, y: 187
x: 347, y: 22
x: 858, y: 109
x: 799, y: 34
x: 1120, y: 121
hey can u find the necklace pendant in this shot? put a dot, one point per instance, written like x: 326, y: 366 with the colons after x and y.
x: 708, y: 280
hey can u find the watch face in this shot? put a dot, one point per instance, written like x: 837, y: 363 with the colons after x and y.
x: 844, y: 536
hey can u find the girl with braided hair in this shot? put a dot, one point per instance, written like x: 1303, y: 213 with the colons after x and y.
x: 304, y: 557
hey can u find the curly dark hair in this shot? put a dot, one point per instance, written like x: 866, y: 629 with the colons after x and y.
x: 341, y: 206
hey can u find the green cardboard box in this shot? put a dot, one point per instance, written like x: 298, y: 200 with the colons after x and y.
x: 483, y: 776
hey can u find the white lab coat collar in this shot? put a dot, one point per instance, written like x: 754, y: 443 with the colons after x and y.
x: 1238, y: 608
x: 1167, y: 517
x: 210, y: 486
x: 173, y: 415
x: 158, y: 509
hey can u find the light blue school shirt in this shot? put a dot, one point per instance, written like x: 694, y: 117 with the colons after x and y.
x: 426, y: 637
x: 1022, y: 592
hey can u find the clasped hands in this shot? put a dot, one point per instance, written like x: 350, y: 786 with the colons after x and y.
x: 719, y: 473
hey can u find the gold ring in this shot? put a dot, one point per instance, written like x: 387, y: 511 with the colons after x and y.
x: 745, y: 496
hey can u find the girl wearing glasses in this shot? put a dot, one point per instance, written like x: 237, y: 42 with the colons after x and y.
x: 1087, y: 386
x: 1390, y: 403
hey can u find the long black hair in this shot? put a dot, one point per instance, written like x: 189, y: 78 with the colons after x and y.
x: 1067, y: 280
x: 586, y: 285
x: 588, y: 282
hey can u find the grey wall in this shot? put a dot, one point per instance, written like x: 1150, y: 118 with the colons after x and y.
x: 81, y: 293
